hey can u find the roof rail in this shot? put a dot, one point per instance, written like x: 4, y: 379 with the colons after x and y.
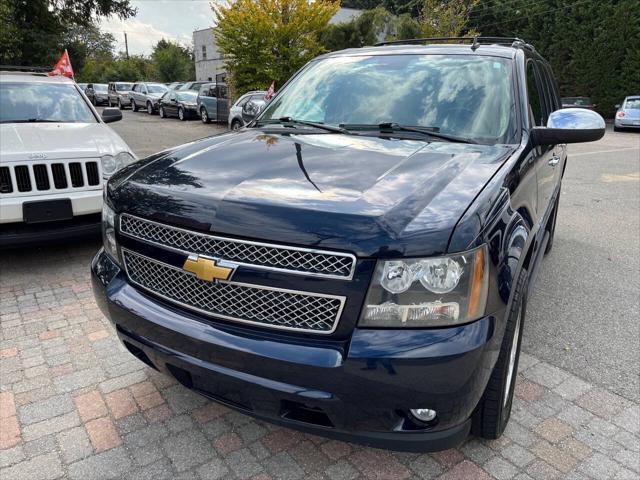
x: 475, y: 41
x: 24, y: 68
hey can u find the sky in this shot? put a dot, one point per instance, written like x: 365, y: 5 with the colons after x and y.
x: 156, y: 19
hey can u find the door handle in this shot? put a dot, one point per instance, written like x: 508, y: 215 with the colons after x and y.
x: 553, y: 161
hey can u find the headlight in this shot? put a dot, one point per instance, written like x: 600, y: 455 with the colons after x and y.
x: 109, y: 232
x: 427, y: 292
x: 111, y: 164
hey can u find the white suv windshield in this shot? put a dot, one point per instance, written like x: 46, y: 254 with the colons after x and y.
x: 42, y: 102
x: 466, y: 96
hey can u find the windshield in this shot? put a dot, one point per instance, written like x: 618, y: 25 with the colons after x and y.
x: 100, y: 87
x: 156, y: 88
x: 42, y: 102
x: 632, y: 104
x: 461, y: 95
x: 123, y: 87
x: 187, y: 96
x: 582, y: 101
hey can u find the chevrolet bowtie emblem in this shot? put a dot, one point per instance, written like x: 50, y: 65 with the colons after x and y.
x: 208, y: 269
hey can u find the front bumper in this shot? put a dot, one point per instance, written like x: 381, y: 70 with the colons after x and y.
x: 16, y: 235
x: 358, y: 390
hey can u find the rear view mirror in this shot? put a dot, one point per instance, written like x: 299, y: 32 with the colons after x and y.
x: 569, y: 125
x: 111, y: 115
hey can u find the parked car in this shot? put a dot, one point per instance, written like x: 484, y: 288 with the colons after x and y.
x: 357, y: 263
x: 146, y: 95
x: 55, y: 154
x: 97, y: 93
x: 235, y: 112
x: 194, y: 86
x: 178, y: 104
x: 628, y: 114
x: 213, y: 102
x: 175, y: 85
x: 578, y: 102
x: 83, y: 86
x: 118, y: 94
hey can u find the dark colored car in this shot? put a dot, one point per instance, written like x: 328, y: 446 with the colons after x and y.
x: 578, y: 102
x: 97, y: 93
x: 178, y: 104
x: 356, y: 262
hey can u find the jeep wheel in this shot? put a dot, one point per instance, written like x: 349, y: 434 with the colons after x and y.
x: 181, y: 113
x: 494, y: 409
x: 204, y: 116
x: 236, y: 125
x: 161, y: 112
x: 134, y: 107
x: 149, y: 108
x: 120, y: 106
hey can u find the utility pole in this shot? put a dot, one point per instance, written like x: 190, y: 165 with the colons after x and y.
x: 126, y: 45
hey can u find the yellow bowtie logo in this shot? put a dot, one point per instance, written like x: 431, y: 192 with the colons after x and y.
x: 208, y: 269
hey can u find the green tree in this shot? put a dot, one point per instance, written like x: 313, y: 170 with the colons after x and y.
x: 370, y: 27
x: 40, y: 28
x: 446, y: 19
x: 173, y: 62
x: 85, y: 42
x: 269, y: 40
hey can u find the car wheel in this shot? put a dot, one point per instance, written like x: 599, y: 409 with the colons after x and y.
x: 161, y: 112
x: 120, y: 106
x: 204, y: 116
x: 551, y: 228
x: 236, y: 125
x: 149, y: 108
x: 494, y: 409
x: 134, y: 107
x: 181, y: 113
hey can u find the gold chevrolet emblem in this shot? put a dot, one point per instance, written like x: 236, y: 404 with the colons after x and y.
x: 208, y: 269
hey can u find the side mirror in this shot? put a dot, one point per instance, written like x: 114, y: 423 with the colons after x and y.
x: 111, y: 115
x: 617, y: 105
x: 569, y: 125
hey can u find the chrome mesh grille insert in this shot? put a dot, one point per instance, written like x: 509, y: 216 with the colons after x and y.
x: 265, y: 306
x: 256, y: 254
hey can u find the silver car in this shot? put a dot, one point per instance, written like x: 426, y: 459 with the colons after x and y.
x: 146, y: 95
x: 628, y: 114
x: 235, y: 113
x: 118, y: 94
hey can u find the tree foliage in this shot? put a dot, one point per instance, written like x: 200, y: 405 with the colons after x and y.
x: 269, y: 40
x: 173, y: 62
x: 593, y: 46
x: 446, y: 19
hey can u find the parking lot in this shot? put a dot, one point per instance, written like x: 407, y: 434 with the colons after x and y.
x: 75, y: 404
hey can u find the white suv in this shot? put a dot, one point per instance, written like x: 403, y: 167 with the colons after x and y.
x: 55, y: 154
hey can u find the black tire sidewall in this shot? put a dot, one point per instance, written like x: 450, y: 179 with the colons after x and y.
x: 161, y: 112
x: 149, y: 108
x: 181, y: 114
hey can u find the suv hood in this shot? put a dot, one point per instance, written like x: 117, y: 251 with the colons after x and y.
x: 58, y: 141
x: 376, y: 197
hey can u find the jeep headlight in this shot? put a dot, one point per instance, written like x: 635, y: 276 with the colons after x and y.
x: 112, y: 163
x: 427, y: 292
x: 109, y: 232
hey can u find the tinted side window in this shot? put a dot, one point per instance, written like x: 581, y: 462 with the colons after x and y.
x: 536, y: 95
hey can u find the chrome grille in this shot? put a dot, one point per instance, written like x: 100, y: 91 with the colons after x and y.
x: 255, y: 254
x: 264, y: 306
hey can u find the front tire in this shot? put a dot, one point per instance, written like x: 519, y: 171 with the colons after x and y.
x: 120, y: 106
x: 236, y: 125
x: 494, y: 409
x: 149, y: 108
x: 134, y: 106
x: 161, y: 113
x: 204, y: 116
x: 181, y: 114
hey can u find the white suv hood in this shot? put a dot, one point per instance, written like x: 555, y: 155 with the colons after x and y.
x: 51, y: 141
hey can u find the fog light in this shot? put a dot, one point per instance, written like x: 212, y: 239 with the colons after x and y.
x: 423, y: 414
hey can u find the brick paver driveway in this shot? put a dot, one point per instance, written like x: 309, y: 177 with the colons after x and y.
x: 75, y: 404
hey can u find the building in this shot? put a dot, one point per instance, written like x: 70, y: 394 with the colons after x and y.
x: 210, y: 62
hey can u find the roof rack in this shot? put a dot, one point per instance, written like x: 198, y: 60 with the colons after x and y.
x: 475, y: 41
x: 24, y: 68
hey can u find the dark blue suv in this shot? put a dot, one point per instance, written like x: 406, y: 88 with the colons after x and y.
x: 356, y: 262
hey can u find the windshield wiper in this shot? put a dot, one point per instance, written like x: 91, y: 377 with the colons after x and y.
x: 395, y: 127
x: 31, y: 120
x: 318, y: 125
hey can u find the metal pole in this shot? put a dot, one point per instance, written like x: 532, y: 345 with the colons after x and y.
x: 126, y: 45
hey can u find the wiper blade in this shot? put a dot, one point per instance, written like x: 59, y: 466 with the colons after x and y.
x: 31, y: 120
x: 318, y: 125
x: 394, y: 127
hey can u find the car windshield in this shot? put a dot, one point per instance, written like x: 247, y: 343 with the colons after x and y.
x: 42, y: 102
x: 123, y: 87
x: 465, y: 96
x: 187, y: 96
x: 632, y: 104
x: 156, y: 88
x: 581, y: 101
x: 100, y: 87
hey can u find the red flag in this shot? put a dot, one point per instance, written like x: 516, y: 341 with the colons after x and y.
x: 63, y: 67
x: 271, y: 92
